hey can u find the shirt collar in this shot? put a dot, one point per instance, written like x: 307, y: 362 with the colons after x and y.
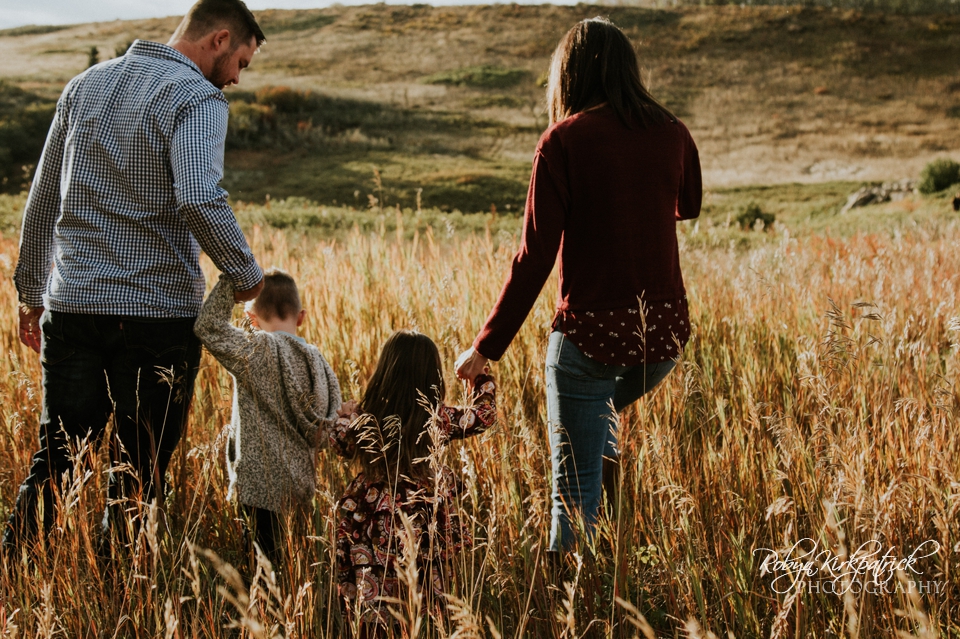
x: 296, y: 337
x: 157, y: 50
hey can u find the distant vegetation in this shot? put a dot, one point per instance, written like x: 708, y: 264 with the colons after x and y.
x: 750, y: 214
x: 24, y: 121
x: 33, y: 29
x: 939, y: 175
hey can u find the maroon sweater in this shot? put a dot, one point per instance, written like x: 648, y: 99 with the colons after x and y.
x: 607, y: 199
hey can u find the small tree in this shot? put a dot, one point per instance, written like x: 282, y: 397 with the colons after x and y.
x: 748, y: 215
x: 938, y: 175
x: 93, y: 57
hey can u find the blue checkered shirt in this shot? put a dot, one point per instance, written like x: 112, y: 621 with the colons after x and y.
x: 127, y: 193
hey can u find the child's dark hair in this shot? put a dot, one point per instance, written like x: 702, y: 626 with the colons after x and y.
x: 279, y: 297
x: 407, y: 373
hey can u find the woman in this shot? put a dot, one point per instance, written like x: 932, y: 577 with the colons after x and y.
x: 611, y: 177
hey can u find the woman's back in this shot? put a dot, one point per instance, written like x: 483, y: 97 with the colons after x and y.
x: 622, y: 190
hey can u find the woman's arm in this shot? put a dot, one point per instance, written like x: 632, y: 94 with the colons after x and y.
x: 544, y: 221
x: 458, y: 422
x: 691, y: 183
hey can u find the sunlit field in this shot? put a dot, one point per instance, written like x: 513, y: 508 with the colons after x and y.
x: 817, y: 399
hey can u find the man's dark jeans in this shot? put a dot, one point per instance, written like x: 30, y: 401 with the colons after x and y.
x: 140, y: 370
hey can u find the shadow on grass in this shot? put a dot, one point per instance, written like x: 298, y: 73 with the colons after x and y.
x: 284, y: 142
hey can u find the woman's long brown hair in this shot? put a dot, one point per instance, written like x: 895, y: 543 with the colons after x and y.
x: 595, y: 63
x: 405, y: 388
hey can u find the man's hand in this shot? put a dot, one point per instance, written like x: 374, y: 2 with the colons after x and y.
x: 470, y: 364
x: 251, y: 293
x: 30, y: 326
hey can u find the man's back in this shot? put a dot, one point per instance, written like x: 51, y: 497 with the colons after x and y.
x: 128, y: 180
x: 125, y: 195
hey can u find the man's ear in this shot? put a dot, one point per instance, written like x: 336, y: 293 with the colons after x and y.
x: 300, y: 317
x: 252, y: 317
x: 220, y: 40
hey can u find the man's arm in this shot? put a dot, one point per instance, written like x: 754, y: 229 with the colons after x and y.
x: 196, y: 158
x: 36, y: 235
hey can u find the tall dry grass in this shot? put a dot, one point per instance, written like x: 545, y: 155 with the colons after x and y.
x: 818, y: 398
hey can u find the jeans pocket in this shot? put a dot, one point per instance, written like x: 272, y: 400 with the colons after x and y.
x: 574, y: 363
x: 55, y: 348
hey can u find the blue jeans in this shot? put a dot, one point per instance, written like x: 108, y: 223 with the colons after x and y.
x: 580, y: 393
x: 142, y: 371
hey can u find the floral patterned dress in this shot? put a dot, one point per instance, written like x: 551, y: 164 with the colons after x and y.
x: 370, y: 539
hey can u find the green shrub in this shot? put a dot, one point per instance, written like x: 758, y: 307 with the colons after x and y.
x: 248, y: 122
x: 748, y: 215
x: 938, y: 175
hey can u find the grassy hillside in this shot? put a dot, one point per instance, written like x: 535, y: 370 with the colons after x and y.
x: 393, y: 99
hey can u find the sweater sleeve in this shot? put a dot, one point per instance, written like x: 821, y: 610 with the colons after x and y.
x: 459, y: 422
x: 544, y: 220
x: 319, y: 432
x: 231, y: 346
x: 691, y: 184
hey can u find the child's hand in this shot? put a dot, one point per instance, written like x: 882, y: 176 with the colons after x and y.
x: 348, y: 409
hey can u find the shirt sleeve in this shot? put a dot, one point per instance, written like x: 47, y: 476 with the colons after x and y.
x: 690, y: 197
x: 196, y: 158
x: 40, y: 216
x: 458, y: 422
x: 233, y: 347
x: 543, y: 225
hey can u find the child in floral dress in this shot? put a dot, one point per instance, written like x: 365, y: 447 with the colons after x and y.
x: 392, y: 432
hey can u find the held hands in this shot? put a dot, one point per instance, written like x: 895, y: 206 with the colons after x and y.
x: 470, y: 364
x: 250, y: 294
x: 30, y: 326
x: 348, y: 409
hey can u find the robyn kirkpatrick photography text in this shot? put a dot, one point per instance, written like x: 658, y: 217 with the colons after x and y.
x: 873, y: 567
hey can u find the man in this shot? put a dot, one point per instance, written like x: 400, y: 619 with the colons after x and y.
x: 125, y: 196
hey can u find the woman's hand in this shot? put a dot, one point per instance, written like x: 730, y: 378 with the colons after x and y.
x: 470, y: 364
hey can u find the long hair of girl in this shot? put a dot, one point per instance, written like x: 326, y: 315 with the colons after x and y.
x: 406, y: 386
x: 595, y: 63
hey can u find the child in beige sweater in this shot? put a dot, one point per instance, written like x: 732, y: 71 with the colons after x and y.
x: 285, y: 395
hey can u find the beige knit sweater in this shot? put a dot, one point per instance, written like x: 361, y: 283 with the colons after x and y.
x: 283, y: 392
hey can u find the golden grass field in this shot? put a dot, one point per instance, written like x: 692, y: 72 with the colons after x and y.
x: 818, y: 398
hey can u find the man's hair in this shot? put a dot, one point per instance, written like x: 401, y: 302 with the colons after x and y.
x: 279, y: 297
x: 211, y: 15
